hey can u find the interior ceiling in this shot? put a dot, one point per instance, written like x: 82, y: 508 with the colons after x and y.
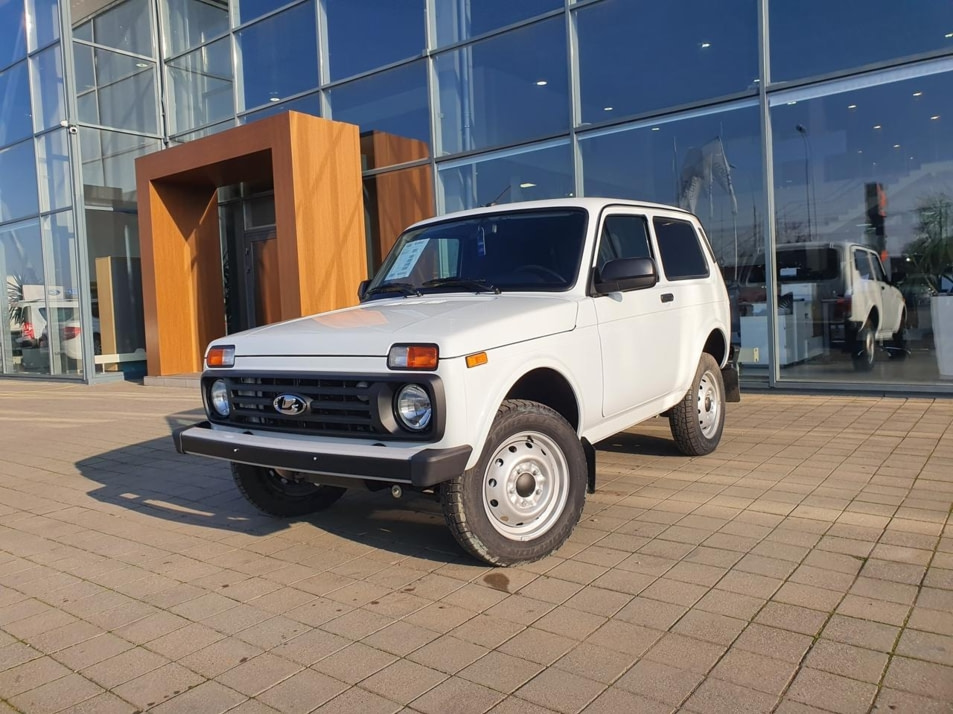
x: 82, y: 9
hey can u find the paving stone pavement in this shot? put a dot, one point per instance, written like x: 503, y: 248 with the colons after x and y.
x: 806, y: 566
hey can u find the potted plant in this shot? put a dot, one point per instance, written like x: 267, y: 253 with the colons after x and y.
x: 931, y: 253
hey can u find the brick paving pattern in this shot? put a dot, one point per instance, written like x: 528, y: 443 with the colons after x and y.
x: 806, y: 566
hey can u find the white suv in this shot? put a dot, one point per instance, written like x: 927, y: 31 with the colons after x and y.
x: 489, y: 354
x: 861, y: 306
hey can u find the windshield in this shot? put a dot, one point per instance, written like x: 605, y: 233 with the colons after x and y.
x: 517, y: 251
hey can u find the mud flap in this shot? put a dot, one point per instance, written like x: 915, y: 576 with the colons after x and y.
x: 590, y: 452
x: 729, y: 374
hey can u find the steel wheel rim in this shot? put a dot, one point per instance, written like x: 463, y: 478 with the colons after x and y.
x: 709, y: 405
x: 525, y: 486
x: 869, y: 346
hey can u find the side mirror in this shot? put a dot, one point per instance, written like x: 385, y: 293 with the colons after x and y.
x: 626, y: 274
x: 362, y: 289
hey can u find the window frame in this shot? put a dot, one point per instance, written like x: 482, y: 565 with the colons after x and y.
x: 698, y: 242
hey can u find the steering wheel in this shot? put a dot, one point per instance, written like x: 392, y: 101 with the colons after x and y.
x: 541, y: 271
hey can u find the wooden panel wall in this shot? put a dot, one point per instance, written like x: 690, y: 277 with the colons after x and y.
x: 315, y: 167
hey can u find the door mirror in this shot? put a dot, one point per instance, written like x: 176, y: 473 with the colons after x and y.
x: 362, y: 289
x: 626, y: 274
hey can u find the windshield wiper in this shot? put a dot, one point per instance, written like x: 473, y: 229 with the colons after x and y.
x: 402, y: 288
x: 468, y: 284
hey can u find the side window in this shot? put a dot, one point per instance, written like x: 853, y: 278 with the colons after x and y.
x: 623, y: 237
x: 681, y: 253
x: 862, y: 263
x: 879, y: 273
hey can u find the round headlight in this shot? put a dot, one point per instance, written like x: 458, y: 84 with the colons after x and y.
x: 413, y: 407
x: 218, y: 398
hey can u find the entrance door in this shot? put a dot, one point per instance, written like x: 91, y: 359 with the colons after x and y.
x: 260, y: 296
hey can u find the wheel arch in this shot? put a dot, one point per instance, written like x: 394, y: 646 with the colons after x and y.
x: 550, y: 387
x: 716, y: 344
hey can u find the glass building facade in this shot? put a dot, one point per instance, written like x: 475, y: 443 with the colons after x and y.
x: 813, y: 140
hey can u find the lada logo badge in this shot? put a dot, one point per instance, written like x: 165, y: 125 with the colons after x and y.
x: 290, y: 404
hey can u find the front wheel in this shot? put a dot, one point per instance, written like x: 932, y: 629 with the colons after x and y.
x: 699, y: 419
x: 865, y: 346
x: 280, y: 493
x: 525, y: 494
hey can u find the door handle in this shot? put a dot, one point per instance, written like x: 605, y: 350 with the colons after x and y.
x: 668, y: 297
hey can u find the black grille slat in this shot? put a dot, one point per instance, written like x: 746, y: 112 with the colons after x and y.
x: 336, y: 406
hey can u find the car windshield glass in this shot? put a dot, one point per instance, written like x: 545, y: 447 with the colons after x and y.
x: 516, y: 251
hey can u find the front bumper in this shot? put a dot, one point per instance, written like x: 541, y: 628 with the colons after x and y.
x: 422, y: 468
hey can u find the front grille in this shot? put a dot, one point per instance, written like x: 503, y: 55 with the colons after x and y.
x: 339, y: 407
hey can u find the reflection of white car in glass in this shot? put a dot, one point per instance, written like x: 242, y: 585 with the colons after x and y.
x: 36, y: 323
x: 490, y: 352
x: 861, y: 306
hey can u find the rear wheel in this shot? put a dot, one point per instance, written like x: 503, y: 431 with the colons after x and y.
x: 898, y: 343
x: 864, y: 347
x: 525, y: 494
x: 698, y: 420
x: 281, y: 493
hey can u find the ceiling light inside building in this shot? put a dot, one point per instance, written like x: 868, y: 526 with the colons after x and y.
x: 607, y: 109
x: 142, y: 65
x: 877, y: 126
x: 705, y: 45
x: 541, y: 82
x: 949, y: 35
x: 896, y: 146
x: 527, y: 184
x: 656, y: 128
x: 274, y: 99
x: 918, y: 94
x: 851, y: 106
x: 791, y: 104
x: 935, y: 117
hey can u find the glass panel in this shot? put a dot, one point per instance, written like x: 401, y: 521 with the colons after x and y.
x: 626, y: 67
x: 12, y: 33
x: 310, y: 104
x: 52, y: 156
x: 391, y: 109
x: 202, y: 86
x: 192, y: 22
x: 708, y: 163
x: 524, y: 176
x: 45, y: 27
x: 48, y: 96
x: 459, y: 20
x: 130, y: 103
x: 201, y: 133
x: 623, y: 236
x: 15, y: 103
x: 24, y: 322
x: 17, y: 182
x: 505, y: 89
x: 115, y: 271
x: 85, y: 71
x: 259, y: 211
x: 125, y: 26
x: 357, y: 44
x: 280, y: 56
x: 393, y: 201
x: 814, y: 37
x: 868, y: 168
x: 109, y: 169
x: 64, y: 334
x: 248, y: 10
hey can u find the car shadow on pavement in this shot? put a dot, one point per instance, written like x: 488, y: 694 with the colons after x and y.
x: 626, y: 442
x: 154, y: 480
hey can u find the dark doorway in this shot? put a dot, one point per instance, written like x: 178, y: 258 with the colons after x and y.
x: 250, y: 260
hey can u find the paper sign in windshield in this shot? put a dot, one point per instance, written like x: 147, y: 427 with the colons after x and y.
x: 407, y: 259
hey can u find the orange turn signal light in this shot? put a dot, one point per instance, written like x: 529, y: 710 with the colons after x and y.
x: 413, y: 357
x: 477, y: 359
x: 220, y: 356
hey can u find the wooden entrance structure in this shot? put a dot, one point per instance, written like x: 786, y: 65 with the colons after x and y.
x: 315, y: 165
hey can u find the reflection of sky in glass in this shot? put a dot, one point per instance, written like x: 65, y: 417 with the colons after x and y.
x: 372, y: 33
x: 895, y: 134
x: 635, y: 57
x: 12, y: 35
x: 459, y: 20
x: 811, y: 37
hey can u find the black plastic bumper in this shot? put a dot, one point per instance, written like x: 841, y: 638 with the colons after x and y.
x: 423, y: 469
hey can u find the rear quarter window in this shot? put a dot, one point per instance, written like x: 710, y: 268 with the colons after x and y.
x: 680, y: 249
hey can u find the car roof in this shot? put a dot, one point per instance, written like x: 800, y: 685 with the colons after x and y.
x: 592, y: 204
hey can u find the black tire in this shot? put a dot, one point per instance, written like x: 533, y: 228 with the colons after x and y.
x: 533, y: 467
x: 271, y: 494
x: 862, y: 353
x: 698, y: 421
x: 898, y: 342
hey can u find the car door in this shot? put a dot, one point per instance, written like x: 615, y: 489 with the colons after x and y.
x: 891, y: 299
x: 866, y: 292
x: 638, y: 355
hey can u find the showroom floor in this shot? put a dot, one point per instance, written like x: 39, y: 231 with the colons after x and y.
x: 805, y: 566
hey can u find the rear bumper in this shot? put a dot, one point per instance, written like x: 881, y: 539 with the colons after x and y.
x: 422, y: 468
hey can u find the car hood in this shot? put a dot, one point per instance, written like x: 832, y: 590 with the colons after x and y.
x: 458, y: 324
